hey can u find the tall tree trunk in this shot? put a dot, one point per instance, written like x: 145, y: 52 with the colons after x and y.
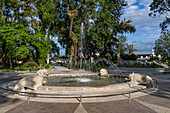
x: 75, y: 52
x: 71, y: 54
x: 74, y: 41
x: 90, y: 57
x: 71, y: 27
x: 10, y: 62
x: 72, y: 16
x: 105, y: 48
x: 4, y: 54
x: 48, y: 58
x: 4, y: 59
x: 2, y: 9
x: 71, y: 58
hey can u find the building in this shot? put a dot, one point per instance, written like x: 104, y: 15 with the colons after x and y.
x: 145, y: 55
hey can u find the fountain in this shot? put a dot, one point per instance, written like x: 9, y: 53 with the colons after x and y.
x: 98, y: 78
x: 92, y: 78
x: 86, y: 84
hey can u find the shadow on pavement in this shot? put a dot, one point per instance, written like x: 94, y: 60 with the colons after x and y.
x: 4, y: 101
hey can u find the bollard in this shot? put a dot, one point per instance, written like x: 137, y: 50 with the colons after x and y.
x: 129, y: 97
x: 80, y: 98
x: 28, y: 99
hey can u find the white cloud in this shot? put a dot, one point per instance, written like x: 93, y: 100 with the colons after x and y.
x: 145, y: 2
x: 130, y: 2
x: 140, y: 17
x: 147, y: 28
x: 144, y: 46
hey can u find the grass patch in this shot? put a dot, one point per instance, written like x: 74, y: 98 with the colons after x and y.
x: 167, y: 64
x: 25, y: 69
x: 166, y: 72
x: 135, y: 67
x: 49, y: 68
x: 14, y: 70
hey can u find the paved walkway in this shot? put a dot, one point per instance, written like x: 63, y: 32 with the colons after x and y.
x: 159, y: 102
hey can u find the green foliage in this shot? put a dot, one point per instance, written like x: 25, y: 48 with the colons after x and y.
x: 17, y: 40
x: 133, y: 57
x: 23, y: 36
x: 162, y: 46
x: 57, y: 56
x: 55, y: 48
x: 122, y: 44
x: 160, y: 7
x: 1, y: 67
x: 107, y: 25
x: 135, y: 64
x: 29, y: 65
x: 128, y: 57
x: 154, y: 58
x: 47, y: 66
x: 69, y: 65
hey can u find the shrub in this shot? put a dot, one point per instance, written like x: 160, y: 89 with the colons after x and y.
x: 29, y: 65
x: 1, y: 67
x: 47, y: 66
x: 128, y: 57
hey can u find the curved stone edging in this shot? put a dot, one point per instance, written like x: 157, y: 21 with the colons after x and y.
x: 84, y: 89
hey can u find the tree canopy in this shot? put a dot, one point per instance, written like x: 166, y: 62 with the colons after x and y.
x: 27, y: 25
x: 160, y: 7
x: 162, y: 46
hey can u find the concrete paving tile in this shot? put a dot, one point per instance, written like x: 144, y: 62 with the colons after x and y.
x: 154, y: 107
x: 4, y: 101
x: 123, y: 106
x: 80, y: 109
x: 155, y: 99
x: 37, y: 107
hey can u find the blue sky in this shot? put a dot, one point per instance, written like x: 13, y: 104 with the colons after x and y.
x: 147, y: 28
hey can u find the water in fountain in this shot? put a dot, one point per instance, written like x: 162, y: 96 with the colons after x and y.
x: 114, y: 75
x: 112, y: 69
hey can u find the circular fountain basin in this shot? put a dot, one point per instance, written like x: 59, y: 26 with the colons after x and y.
x: 82, y: 81
x: 82, y: 84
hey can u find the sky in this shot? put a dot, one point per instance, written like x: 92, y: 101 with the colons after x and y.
x: 147, y: 28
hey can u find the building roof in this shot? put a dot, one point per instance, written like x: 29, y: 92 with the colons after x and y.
x: 144, y: 53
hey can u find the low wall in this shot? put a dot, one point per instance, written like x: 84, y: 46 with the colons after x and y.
x: 84, y: 89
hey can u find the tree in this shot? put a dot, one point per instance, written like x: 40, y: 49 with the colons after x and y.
x: 128, y: 57
x: 122, y: 44
x: 14, y: 38
x: 162, y: 46
x: 107, y: 25
x: 74, y: 12
x: 130, y: 48
x: 55, y: 48
x: 18, y: 40
x: 160, y: 7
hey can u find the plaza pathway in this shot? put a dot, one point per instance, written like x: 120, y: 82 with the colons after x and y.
x: 158, y: 102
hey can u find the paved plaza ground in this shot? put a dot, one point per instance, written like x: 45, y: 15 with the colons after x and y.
x: 158, y: 102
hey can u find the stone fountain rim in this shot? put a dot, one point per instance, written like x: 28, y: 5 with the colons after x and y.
x: 93, y: 95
